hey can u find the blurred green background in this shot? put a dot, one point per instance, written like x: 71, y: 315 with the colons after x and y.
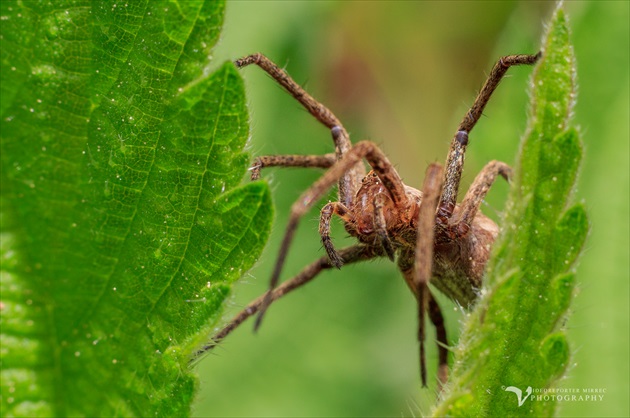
x: 402, y: 74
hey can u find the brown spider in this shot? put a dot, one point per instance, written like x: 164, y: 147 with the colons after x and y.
x: 431, y: 235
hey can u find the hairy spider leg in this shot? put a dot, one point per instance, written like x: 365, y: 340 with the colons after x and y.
x: 455, y: 158
x: 350, y: 182
x: 315, y: 108
x: 380, y: 164
x: 406, y: 266
x: 306, y: 161
x: 437, y: 319
x: 459, y: 225
x: 348, y: 255
x: 423, y: 260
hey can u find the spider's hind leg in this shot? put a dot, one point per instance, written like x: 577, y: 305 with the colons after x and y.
x: 348, y: 255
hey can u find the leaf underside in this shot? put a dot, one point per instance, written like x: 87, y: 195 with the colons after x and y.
x: 123, y: 225
x: 514, y: 336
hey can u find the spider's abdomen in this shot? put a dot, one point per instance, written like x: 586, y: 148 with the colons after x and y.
x: 459, y: 265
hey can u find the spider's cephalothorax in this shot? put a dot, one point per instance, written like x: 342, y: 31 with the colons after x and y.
x: 374, y: 218
x: 430, y: 236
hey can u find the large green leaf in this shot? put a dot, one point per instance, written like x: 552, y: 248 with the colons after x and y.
x: 514, y: 338
x: 122, y: 222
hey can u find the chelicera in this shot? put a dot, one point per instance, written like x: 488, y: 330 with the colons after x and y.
x: 427, y: 233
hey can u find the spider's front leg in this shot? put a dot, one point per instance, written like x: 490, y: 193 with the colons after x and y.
x: 455, y: 159
x: 349, y: 182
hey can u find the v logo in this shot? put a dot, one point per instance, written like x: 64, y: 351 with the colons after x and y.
x: 519, y: 393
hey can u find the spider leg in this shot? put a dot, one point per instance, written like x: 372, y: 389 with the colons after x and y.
x: 315, y: 108
x: 380, y: 164
x: 314, y: 161
x: 475, y: 195
x: 435, y: 314
x: 348, y: 255
x: 455, y: 159
x: 349, y: 183
x: 423, y: 262
x: 416, y: 264
x: 327, y: 212
x: 381, y: 226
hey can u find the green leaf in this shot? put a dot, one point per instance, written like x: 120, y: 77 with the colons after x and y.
x: 514, y: 336
x: 123, y: 225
